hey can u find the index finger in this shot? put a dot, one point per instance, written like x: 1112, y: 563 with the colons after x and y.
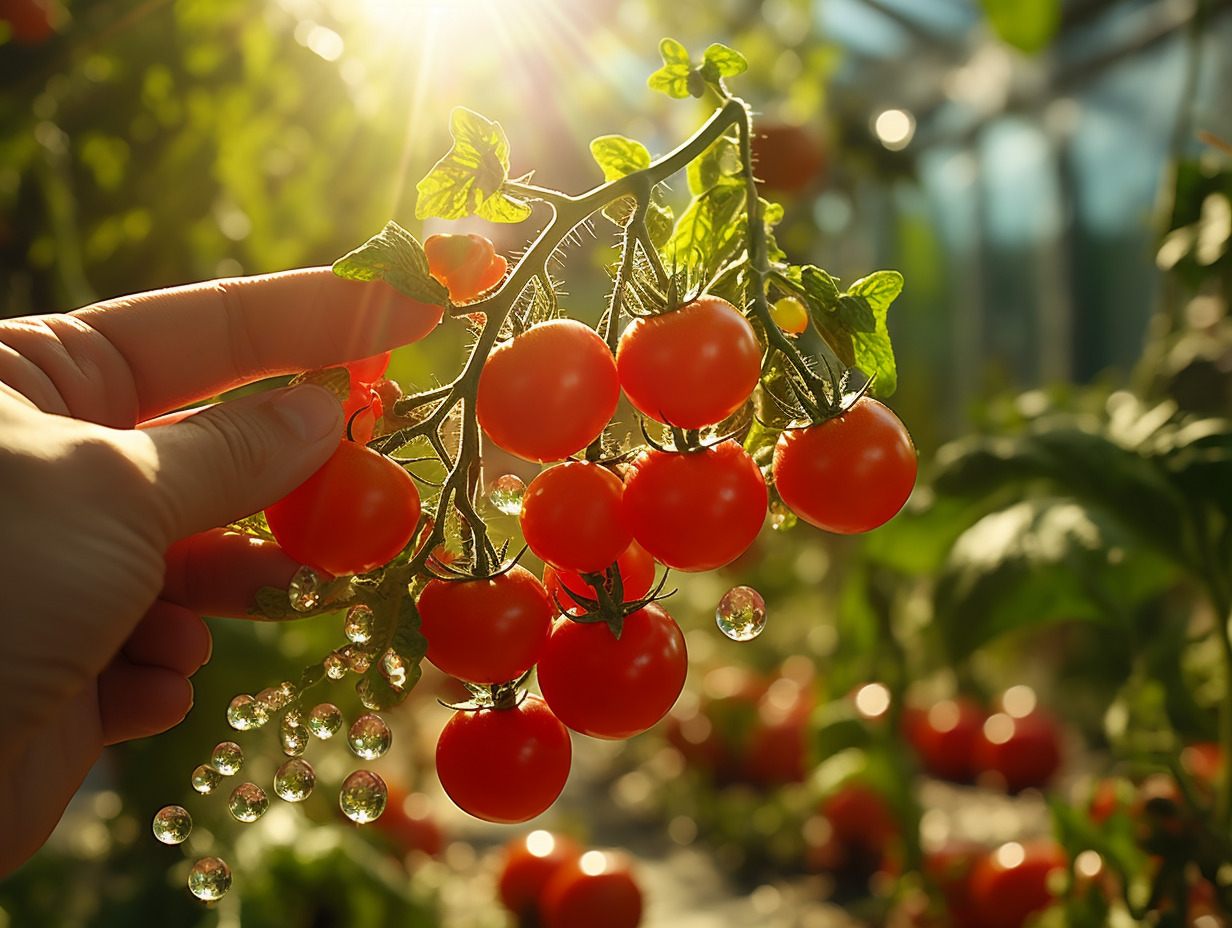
x: 187, y: 343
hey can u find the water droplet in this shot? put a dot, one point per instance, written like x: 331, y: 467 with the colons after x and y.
x: 275, y: 697
x: 304, y: 590
x: 741, y: 614
x: 248, y: 802
x: 369, y: 737
x: 358, y: 624
x: 335, y: 665
x: 362, y: 796
x: 205, y: 778
x: 324, y: 720
x: 209, y: 878
x: 781, y: 518
x: 293, y: 737
x: 368, y: 697
x: 246, y: 712
x: 172, y: 824
x: 505, y: 493
x: 227, y: 758
x: 294, y: 780
x: 394, y: 668
x: 358, y: 659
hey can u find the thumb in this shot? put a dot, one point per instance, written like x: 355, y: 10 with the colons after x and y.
x: 235, y: 458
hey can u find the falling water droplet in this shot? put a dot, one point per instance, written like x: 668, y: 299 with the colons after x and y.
x: 369, y: 737
x: 781, y: 518
x: 324, y: 720
x: 394, y: 668
x: 505, y: 493
x: 227, y: 758
x: 362, y: 796
x: 205, y: 778
x: 294, y: 780
x: 293, y: 739
x: 335, y: 665
x: 209, y: 878
x: 304, y: 590
x: 741, y: 614
x: 358, y: 624
x: 172, y: 824
x: 246, y: 712
x: 248, y: 802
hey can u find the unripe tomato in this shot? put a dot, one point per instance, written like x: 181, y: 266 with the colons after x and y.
x: 572, y: 517
x: 637, y: 573
x: 467, y: 265
x: 597, y: 890
x: 691, y: 367
x: 353, y: 515
x: 848, y: 474
x: 527, y: 863
x: 1016, y: 880
x: 549, y: 392
x: 790, y: 315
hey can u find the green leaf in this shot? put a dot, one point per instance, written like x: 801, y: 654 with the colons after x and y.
x: 619, y: 156
x: 396, y: 257
x: 272, y: 603
x: 711, y: 228
x: 1028, y: 25
x: 862, y: 311
x: 409, y: 644
x: 673, y: 78
x: 470, y: 179
x: 722, y: 61
x: 720, y: 159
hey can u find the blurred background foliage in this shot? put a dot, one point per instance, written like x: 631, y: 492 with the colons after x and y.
x: 1047, y: 176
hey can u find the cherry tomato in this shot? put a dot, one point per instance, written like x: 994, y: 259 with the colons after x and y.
x: 614, y: 688
x: 527, y: 863
x: 368, y: 370
x: 945, y: 738
x: 848, y: 474
x: 597, y: 890
x: 786, y: 157
x: 789, y: 315
x: 691, y: 367
x: 486, y: 631
x: 950, y: 867
x: 504, y: 765
x: 362, y: 408
x: 353, y: 515
x: 1014, y: 881
x: 572, y: 517
x: 32, y: 21
x: 409, y: 823
x: 778, y: 745
x: 549, y: 392
x: 467, y: 264
x: 637, y: 572
x: 696, y: 510
x: 1025, y: 752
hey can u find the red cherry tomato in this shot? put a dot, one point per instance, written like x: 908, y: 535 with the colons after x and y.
x: 467, y: 265
x: 597, y: 890
x: 368, y: 370
x: 1014, y: 881
x: 362, y: 408
x: 637, y: 572
x: 353, y: 515
x: 787, y: 158
x: 696, y: 510
x: 572, y: 517
x: 778, y: 745
x: 614, y: 688
x: 848, y: 474
x: 32, y: 21
x: 504, y: 765
x: 486, y: 631
x: 409, y: 823
x: 527, y: 863
x: 950, y: 867
x: 945, y: 738
x: 692, y: 367
x: 549, y: 392
x: 1025, y: 752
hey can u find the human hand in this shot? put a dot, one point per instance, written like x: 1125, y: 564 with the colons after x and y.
x: 109, y: 551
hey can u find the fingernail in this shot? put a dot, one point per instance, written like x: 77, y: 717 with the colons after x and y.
x: 209, y: 649
x: 310, y: 412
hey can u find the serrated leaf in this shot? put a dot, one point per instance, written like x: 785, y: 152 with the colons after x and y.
x: 396, y: 257
x: 720, y: 159
x: 410, y: 645
x: 711, y: 228
x: 760, y: 442
x: 854, y: 323
x: 673, y: 78
x: 273, y: 604
x: 724, y: 61
x: 619, y: 156
x: 470, y: 179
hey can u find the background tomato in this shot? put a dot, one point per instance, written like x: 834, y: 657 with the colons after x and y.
x: 527, y: 863
x: 607, y: 687
x: 637, y: 574
x: 1023, y: 752
x: 572, y: 517
x: 944, y: 737
x: 486, y: 631
x: 549, y: 392
x: 848, y: 474
x: 353, y: 515
x: 597, y: 890
x: 504, y: 765
x: 691, y: 367
x: 408, y: 821
x: 787, y: 157
x: 1014, y: 881
x: 696, y: 510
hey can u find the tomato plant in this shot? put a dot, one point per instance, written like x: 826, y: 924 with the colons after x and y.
x: 504, y: 765
x: 572, y: 517
x: 847, y: 474
x: 637, y: 572
x: 597, y: 890
x: 357, y: 512
x: 609, y: 687
x: 467, y: 265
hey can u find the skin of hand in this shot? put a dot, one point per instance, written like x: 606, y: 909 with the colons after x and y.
x: 110, y: 550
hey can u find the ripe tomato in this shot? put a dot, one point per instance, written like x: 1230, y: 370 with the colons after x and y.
x: 597, y: 890
x: 1025, y: 752
x: 945, y: 737
x: 572, y: 517
x: 32, y: 21
x: 409, y: 823
x: 778, y: 745
x: 362, y: 408
x: 696, y: 510
x: 848, y: 474
x: 486, y: 631
x: 467, y: 264
x: 368, y: 370
x: 637, y: 572
x: 950, y: 867
x: 1014, y: 881
x: 786, y: 157
x: 691, y: 367
x: 353, y: 515
x: 549, y: 392
x: 504, y: 765
x: 612, y: 688
x: 527, y: 863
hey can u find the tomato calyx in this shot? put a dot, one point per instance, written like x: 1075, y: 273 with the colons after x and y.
x: 689, y: 441
x: 464, y: 572
x: 494, y: 696
x: 608, y: 605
